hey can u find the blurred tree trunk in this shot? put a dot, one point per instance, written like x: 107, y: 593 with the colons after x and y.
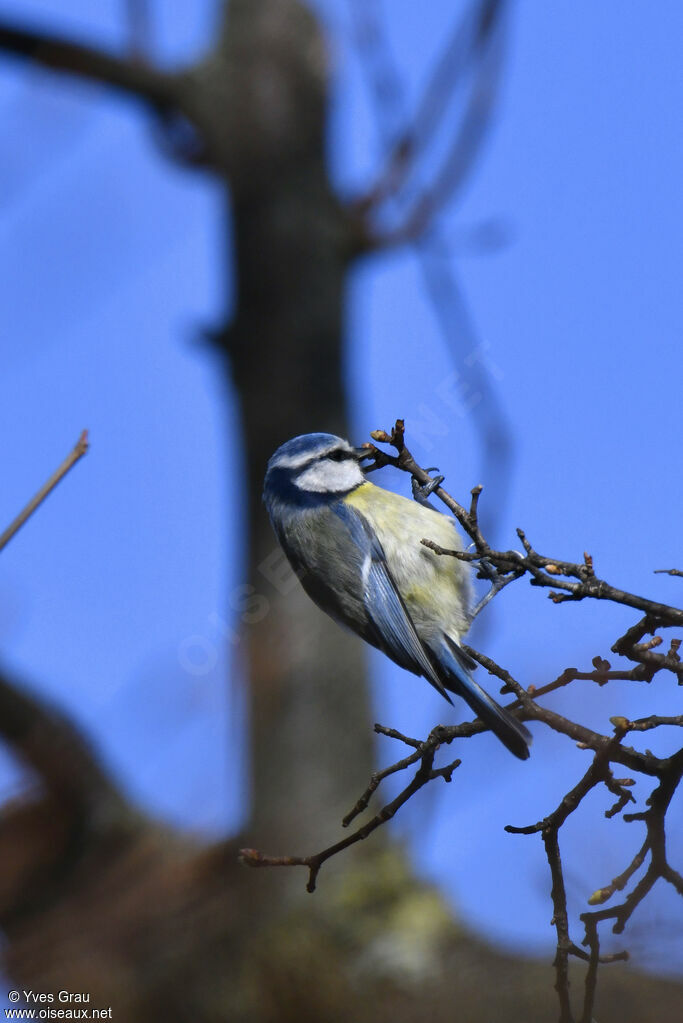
x: 311, y: 747
x: 94, y: 896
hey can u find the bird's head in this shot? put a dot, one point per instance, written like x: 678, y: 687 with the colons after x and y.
x: 314, y: 465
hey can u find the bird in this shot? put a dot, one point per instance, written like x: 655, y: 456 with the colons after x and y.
x: 357, y: 552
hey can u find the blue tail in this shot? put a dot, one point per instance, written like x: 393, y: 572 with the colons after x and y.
x: 455, y: 675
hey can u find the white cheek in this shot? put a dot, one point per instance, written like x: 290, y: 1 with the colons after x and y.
x: 330, y: 477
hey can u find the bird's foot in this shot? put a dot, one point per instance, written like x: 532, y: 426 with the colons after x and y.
x: 422, y: 493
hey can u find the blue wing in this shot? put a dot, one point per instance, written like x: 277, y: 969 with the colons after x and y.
x: 392, y: 627
x: 392, y: 630
x: 455, y: 665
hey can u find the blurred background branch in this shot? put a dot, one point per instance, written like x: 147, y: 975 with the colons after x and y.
x: 150, y: 85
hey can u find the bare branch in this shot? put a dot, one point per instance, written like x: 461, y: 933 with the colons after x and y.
x: 619, y: 883
x: 151, y: 85
x: 425, y: 773
x: 575, y: 580
x: 549, y: 828
x: 645, y: 724
x: 544, y: 571
x: 47, y: 488
x: 655, y: 844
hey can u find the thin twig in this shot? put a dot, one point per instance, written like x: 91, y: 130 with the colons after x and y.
x: 424, y: 774
x: 603, y: 673
x: 621, y: 880
x: 654, y: 721
x: 68, y: 463
x: 544, y: 571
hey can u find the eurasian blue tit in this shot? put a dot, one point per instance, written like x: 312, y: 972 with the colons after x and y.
x: 356, y: 548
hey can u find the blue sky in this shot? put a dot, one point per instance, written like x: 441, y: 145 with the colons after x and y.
x: 110, y: 270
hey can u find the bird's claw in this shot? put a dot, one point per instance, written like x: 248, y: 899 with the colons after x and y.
x: 422, y: 493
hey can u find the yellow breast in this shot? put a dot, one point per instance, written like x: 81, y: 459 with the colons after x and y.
x: 434, y: 588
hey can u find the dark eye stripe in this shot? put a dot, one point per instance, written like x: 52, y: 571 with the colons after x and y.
x: 336, y: 455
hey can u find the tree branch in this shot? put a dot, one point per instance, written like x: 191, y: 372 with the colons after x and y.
x: 154, y: 87
x: 578, y: 580
x: 425, y: 773
x: 544, y: 571
x: 47, y: 488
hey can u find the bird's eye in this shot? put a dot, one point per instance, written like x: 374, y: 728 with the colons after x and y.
x: 338, y: 455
